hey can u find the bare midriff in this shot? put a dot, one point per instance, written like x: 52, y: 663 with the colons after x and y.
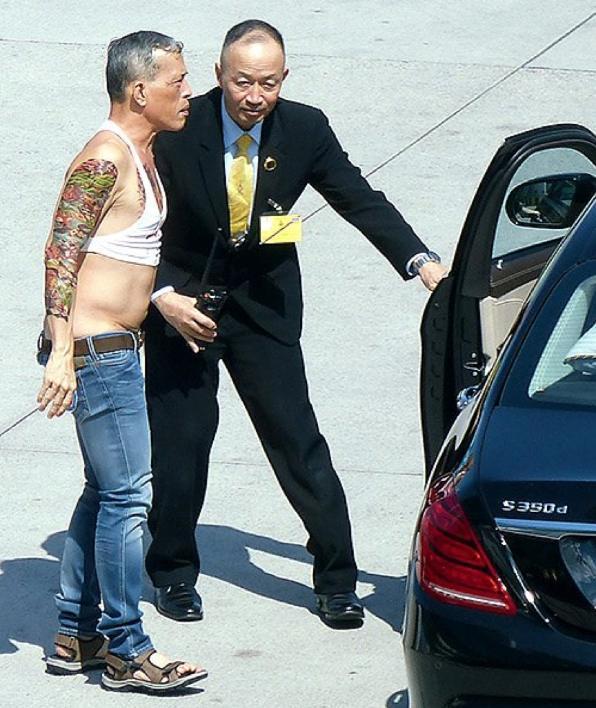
x: 111, y: 295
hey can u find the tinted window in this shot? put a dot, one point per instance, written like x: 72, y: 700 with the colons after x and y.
x: 556, y: 365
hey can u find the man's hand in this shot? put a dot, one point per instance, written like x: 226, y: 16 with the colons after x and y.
x: 431, y: 274
x: 180, y: 311
x: 59, y: 384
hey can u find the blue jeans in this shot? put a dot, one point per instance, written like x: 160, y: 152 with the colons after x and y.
x: 103, y: 554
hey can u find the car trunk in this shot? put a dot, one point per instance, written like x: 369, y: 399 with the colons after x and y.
x: 538, y: 475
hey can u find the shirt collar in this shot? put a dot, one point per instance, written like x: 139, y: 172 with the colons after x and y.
x: 232, y: 131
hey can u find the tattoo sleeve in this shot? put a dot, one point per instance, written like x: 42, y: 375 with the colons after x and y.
x: 79, y: 209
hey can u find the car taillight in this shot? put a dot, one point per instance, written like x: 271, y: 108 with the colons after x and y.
x: 451, y: 563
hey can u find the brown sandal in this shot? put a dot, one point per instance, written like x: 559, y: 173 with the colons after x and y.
x: 119, y: 675
x: 83, y: 654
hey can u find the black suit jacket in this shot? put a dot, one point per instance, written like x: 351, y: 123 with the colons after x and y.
x: 263, y: 280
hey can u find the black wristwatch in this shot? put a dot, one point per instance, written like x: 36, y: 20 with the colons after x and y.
x: 419, y: 261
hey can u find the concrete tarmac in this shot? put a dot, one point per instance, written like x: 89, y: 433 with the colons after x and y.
x: 435, y: 86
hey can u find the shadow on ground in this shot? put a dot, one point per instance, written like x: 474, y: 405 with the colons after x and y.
x: 28, y: 585
x: 225, y: 554
x: 27, y: 588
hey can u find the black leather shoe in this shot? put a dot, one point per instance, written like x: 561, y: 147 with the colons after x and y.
x: 180, y: 602
x: 340, y: 608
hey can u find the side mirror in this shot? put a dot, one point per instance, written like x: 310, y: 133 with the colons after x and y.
x: 552, y: 202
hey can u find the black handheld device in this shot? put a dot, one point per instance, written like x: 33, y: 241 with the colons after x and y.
x: 211, y: 301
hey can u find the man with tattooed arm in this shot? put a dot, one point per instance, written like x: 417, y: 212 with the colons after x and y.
x: 100, y: 262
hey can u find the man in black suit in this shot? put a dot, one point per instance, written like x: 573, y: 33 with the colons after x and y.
x: 246, y: 152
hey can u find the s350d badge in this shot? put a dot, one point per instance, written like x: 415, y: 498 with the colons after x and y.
x: 533, y: 507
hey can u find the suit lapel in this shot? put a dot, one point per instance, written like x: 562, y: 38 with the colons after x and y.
x: 271, y: 156
x: 208, y: 143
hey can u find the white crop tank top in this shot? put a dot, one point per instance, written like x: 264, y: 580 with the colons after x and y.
x: 140, y: 242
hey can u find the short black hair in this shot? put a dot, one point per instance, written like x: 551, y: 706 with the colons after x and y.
x: 132, y: 57
x: 260, y: 28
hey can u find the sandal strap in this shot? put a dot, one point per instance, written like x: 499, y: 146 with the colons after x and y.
x: 170, y: 671
x: 120, y: 667
x: 93, y: 648
x: 66, y: 641
x: 71, y: 644
x: 124, y: 669
x: 155, y: 674
x: 172, y: 665
x: 82, y: 649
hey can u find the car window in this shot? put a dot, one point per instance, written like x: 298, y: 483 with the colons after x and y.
x: 510, y: 237
x: 556, y: 364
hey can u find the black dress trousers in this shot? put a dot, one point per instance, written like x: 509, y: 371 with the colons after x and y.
x: 270, y: 379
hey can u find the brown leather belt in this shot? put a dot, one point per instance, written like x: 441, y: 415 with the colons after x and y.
x: 101, y: 344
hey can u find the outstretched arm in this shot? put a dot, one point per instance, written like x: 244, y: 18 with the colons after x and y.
x: 86, y: 192
x: 348, y: 192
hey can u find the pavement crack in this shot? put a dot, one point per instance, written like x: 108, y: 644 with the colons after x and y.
x: 45, y: 42
x: 225, y: 463
x: 560, y: 38
x: 480, y: 95
x: 18, y: 421
x: 559, y: 70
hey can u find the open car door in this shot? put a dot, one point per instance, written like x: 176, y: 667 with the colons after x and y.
x: 531, y: 195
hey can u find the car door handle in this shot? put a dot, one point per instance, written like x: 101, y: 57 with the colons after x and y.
x: 475, y: 366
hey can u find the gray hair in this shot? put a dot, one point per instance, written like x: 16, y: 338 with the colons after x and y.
x: 132, y: 57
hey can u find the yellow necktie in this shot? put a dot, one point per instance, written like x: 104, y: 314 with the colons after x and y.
x: 240, y: 189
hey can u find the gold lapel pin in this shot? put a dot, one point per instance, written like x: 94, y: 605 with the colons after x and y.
x: 270, y: 164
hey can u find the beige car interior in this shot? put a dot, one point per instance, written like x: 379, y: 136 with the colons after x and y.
x: 497, y: 315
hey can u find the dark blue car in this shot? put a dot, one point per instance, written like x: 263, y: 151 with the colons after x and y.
x: 501, y: 595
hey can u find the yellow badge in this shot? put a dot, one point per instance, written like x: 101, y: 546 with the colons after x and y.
x: 281, y: 228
